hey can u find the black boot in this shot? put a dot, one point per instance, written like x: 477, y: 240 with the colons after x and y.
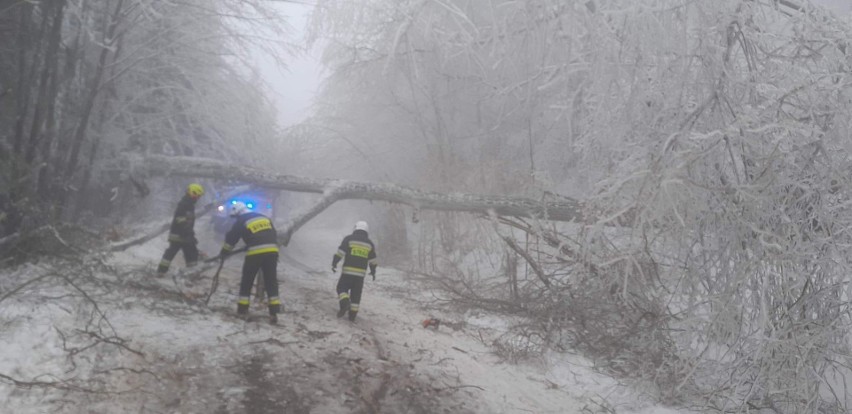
x: 273, y: 319
x: 242, y: 311
x: 352, y: 316
x: 344, y: 306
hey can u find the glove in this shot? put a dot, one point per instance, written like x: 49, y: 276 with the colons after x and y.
x: 373, y: 275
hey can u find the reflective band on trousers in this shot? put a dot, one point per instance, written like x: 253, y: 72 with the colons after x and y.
x: 343, y: 295
x: 244, y: 300
x: 354, y: 271
x: 274, y: 300
x: 353, y: 307
x: 262, y: 248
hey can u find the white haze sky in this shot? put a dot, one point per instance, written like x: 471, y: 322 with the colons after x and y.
x: 293, y: 89
x: 837, y: 5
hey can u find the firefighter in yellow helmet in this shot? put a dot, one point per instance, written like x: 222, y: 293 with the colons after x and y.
x: 182, y: 231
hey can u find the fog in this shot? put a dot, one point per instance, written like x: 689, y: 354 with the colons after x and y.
x: 656, y: 189
x: 293, y: 87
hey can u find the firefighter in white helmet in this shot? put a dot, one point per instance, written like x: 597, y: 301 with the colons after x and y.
x: 358, y: 254
x: 261, y: 254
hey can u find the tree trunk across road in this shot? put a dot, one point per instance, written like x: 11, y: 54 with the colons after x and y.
x: 552, y: 208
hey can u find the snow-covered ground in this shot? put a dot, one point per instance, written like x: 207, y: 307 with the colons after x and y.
x: 151, y: 345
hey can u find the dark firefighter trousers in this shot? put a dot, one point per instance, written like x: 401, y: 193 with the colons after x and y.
x: 190, y: 255
x: 349, y: 292
x: 268, y: 262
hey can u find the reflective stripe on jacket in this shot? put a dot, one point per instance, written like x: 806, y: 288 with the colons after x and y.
x: 183, y: 222
x: 358, y: 253
x: 256, y: 230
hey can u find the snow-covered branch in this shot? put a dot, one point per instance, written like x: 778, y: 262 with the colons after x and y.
x: 562, y: 209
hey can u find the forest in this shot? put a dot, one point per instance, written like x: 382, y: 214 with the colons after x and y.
x: 659, y: 186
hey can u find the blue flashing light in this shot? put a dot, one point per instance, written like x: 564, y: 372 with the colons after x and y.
x: 251, y: 205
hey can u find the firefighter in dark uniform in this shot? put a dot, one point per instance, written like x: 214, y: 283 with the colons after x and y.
x: 358, y: 253
x: 182, y: 231
x: 261, y: 254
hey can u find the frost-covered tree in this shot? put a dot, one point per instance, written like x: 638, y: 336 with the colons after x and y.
x: 708, y: 138
x: 88, y: 80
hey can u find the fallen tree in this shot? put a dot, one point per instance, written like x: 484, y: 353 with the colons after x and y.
x: 555, y: 208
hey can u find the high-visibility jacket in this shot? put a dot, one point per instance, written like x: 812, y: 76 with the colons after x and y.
x: 357, y: 252
x: 256, y: 230
x: 182, y: 229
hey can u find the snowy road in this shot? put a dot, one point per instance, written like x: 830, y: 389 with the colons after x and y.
x: 189, y: 358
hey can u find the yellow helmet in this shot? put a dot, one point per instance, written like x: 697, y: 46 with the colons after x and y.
x: 195, y: 190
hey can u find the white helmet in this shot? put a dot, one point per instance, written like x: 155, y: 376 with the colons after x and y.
x: 361, y: 225
x: 237, y: 208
